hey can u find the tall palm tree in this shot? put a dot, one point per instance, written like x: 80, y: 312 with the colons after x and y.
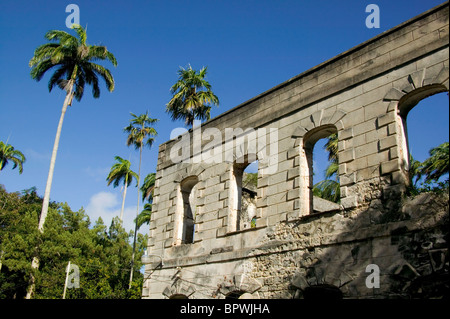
x: 72, y: 58
x: 192, y: 96
x: 140, y: 134
x: 8, y: 153
x: 121, y: 172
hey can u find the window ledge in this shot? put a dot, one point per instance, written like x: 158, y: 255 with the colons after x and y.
x: 294, y: 216
x: 260, y: 223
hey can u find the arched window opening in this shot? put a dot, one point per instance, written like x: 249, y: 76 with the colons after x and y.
x: 319, y: 175
x: 424, y: 117
x: 234, y: 294
x: 326, y: 169
x: 249, y: 196
x: 178, y: 296
x: 243, y: 194
x: 322, y: 292
x: 187, y: 208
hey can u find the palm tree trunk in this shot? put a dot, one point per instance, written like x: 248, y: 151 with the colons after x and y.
x: 1, y: 259
x: 44, y: 211
x: 137, y: 214
x: 124, y: 195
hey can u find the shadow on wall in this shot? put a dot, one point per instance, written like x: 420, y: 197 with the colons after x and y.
x: 406, y: 241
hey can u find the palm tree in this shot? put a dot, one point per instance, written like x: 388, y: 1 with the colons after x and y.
x: 192, y: 96
x: 72, y: 57
x: 329, y: 188
x: 437, y: 164
x: 140, y: 134
x: 8, y: 153
x: 121, y: 171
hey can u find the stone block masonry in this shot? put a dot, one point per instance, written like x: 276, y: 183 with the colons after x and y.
x: 294, y: 241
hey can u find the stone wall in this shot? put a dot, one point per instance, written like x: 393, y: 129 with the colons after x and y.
x: 364, y: 96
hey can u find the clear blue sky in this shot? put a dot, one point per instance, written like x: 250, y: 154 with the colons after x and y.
x: 248, y: 46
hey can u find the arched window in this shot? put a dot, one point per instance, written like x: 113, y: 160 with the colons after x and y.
x: 326, y: 169
x: 178, y: 296
x: 322, y: 292
x: 321, y: 202
x: 423, y: 117
x: 186, y: 210
x: 235, y: 294
x: 243, y: 193
x: 249, y: 196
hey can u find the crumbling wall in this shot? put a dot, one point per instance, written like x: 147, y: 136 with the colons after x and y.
x: 409, y: 245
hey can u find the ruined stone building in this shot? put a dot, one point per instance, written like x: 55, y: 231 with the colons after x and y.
x: 208, y: 240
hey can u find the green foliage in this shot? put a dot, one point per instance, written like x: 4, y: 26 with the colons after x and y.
x: 147, y: 190
x: 102, y: 254
x: 148, y: 187
x: 144, y: 216
x: 329, y: 188
x: 428, y: 176
x: 250, y: 180
x: 253, y: 222
x: 437, y: 165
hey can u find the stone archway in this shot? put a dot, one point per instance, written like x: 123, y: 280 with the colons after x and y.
x: 179, y: 290
x: 241, y: 285
x: 312, y: 128
x: 403, y: 98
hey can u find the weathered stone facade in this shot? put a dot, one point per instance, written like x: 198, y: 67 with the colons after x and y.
x: 297, y: 243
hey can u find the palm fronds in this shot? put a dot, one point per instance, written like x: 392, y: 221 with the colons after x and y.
x: 121, y: 173
x: 437, y: 164
x: 192, y: 97
x: 148, y: 187
x: 8, y: 153
x: 73, y: 59
x: 140, y: 132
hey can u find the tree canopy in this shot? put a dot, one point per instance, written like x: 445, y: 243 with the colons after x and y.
x: 102, y: 253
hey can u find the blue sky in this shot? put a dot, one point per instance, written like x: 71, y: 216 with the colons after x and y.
x: 248, y: 46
